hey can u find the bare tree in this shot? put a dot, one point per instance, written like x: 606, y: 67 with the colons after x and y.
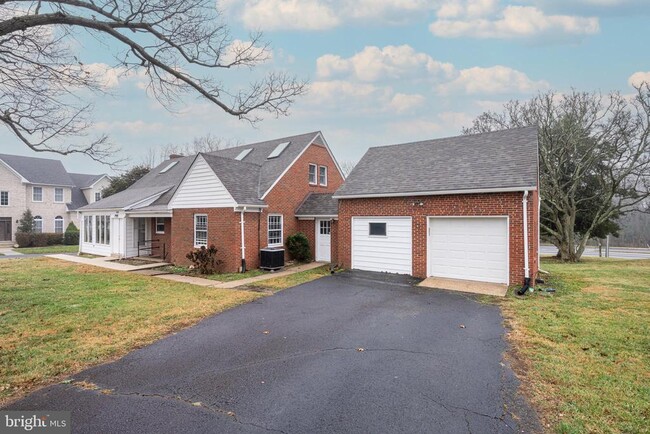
x: 177, y: 45
x: 207, y: 143
x: 594, y: 160
x: 347, y: 166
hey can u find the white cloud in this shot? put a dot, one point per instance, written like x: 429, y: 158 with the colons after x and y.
x: 106, y: 76
x: 639, y: 77
x: 339, y: 91
x: 283, y: 14
x: 467, y: 8
x: 403, y: 103
x: 492, y: 80
x: 239, y: 49
x: 512, y: 22
x: 391, y: 62
x: 417, y: 127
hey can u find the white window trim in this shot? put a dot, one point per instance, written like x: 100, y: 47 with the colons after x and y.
x: 281, y: 243
x: 320, y: 183
x: 39, y: 219
x: 8, y: 199
x: 206, y: 230
x: 62, y: 225
x: 62, y: 195
x: 163, y: 224
x: 33, y: 188
x: 315, y: 166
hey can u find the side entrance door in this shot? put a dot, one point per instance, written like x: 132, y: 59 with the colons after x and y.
x: 323, y: 240
x: 5, y: 228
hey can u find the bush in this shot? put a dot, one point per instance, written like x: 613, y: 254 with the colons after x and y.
x: 71, y: 236
x: 34, y: 239
x: 298, y: 246
x: 26, y: 223
x: 205, y: 259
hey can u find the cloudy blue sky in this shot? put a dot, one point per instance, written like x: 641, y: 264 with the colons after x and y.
x: 388, y: 71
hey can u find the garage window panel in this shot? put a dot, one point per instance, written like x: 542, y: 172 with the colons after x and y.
x: 377, y: 229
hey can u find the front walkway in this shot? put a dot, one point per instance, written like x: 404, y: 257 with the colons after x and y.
x: 108, y: 262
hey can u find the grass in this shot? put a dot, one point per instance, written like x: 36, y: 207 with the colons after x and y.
x: 584, y: 353
x: 48, y: 249
x: 283, y: 282
x: 57, y: 318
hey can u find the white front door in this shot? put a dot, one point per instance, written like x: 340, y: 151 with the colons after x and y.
x: 323, y: 240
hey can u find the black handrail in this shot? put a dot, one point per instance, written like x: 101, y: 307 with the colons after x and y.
x: 149, y: 246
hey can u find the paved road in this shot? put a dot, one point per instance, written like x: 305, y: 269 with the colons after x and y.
x: 614, y: 252
x: 345, y: 353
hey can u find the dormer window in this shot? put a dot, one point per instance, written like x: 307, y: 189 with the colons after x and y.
x: 312, y: 174
x: 98, y: 196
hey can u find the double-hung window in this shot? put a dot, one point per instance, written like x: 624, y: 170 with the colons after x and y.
x: 98, y: 196
x: 275, y: 230
x: 58, y: 195
x: 322, y: 175
x: 4, y: 198
x: 200, y: 230
x: 58, y: 224
x: 38, y: 224
x: 37, y: 194
x: 312, y: 174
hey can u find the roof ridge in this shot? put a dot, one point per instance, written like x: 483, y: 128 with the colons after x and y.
x: 228, y: 159
x: 458, y: 136
x: 266, y: 141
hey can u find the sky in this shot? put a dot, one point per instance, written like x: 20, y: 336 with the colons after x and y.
x: 382, y: 71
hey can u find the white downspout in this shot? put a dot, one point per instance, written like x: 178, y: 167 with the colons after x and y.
x: 243, y: 243
x: 525, y: 204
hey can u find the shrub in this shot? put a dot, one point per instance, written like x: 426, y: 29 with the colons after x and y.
x: 34, y: 239
x: 71, y: 236
x: 205, y: 259
x: 298, y: 246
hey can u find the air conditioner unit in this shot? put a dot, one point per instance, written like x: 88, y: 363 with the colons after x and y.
x: 271, y: 259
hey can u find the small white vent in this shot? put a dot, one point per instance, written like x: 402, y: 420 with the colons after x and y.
x: 278, y: 150
x: 243, y: 154
x: 169, y: 166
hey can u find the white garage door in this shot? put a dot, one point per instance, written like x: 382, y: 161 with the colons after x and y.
x: 382, y: 244
x: 469, y: 248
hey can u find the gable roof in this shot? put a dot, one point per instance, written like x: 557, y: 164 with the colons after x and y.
x: 318, y: 204
x: 43, y: 171
x: 83, y: 180
x: 495, y: 161
x: 247, y: 180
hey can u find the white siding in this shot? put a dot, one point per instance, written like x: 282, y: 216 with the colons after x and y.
x: 391, y: 253
x: 201, y: 188
x: 469, y: 248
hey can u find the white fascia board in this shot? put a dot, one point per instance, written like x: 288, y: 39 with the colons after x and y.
x: 249, y: 208
x: 316, y: 216
x: 95, y: 183
x: 149, y: 213
x: 435, y: 193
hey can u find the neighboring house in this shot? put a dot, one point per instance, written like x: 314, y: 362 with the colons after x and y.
x: 450, y: 208
x: 47, y: 189
x: 240, y: 199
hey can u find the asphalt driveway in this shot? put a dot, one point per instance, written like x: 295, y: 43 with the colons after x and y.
x: 346, y: 353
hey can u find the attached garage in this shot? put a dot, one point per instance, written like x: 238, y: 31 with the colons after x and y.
x: 382, y: 244
x: 468, y: 248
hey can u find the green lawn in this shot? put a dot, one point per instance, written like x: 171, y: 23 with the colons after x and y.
x: 279, y: 283
x: 57, y: 318
x: 584, y: 353
x: 48, y: 249
x: 221, y: 277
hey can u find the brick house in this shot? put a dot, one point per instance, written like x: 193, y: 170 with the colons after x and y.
x: 463, y: 207
x: 240, y: 199
x: 47, y: 189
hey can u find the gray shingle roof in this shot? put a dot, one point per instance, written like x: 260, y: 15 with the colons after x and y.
x: 83, y: 180
x: 496, y: 160
x: 318, y: 204
x: 240, y: 179
x: 246, y: 180
x: 128, y: 197
x: 39, y: 170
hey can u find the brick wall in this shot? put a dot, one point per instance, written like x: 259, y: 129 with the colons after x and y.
x: 493, y: 204
x: 292, y: 189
